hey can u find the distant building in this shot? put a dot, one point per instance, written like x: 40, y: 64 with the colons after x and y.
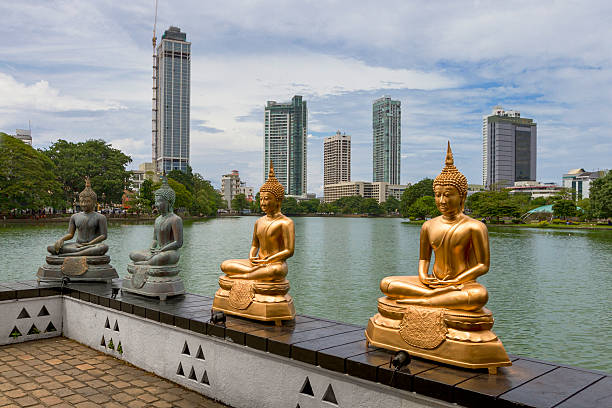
x: 509, y: 148
x: 230, y: 186
x: 386, y: 140
x: 146, y: 171
x: 579, y: 181
x: 535, y: 189
x: 285, y: 133
x: 171, y: 101
x: 381, y: 191
x: 337, y: 159
x: 24, y: 135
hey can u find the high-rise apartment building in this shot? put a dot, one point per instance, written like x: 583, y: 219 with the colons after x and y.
x: 508, y: 148
x: 171, y: 101
x: 386, y: 140
x: 230, y: 186
x: 285, y: 132
x: 336, y: 158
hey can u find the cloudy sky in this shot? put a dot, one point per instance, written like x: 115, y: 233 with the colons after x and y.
x: 82, y: 69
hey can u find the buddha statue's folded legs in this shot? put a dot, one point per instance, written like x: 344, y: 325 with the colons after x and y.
x: 244, y: 269
x: 74, y: 249
x: 147, y: 257
x: 410, y: 290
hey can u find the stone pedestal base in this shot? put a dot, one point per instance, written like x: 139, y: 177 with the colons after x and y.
x: 453, y: 337
x: 264, y: 301
x: 77, y: 268
x: 154, y: 281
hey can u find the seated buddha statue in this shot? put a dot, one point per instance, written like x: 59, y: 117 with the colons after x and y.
x: 256, y: 287
x: 154, y: 271
x: 440, y: 314
x: 90, y: 227
x: 85, y: 259
x: 167, y: 233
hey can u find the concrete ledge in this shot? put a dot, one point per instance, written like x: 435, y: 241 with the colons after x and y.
x: 252, y: 364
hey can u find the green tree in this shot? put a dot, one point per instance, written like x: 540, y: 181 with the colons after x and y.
x: 255, y: 208
x: 308, y: 206
x: 184, y: 199
x: 564, y: 208
x: 289, y: 206
x: 27, y: 177
x: 145, y: 199
x: 585, y: 209
x: 239, y: 203
x: 392, y: 205
x: 186, y: 178
x: 600, y: 195
x: 414, y: 192
x: 423, y: 207
x: 327, y: 208
x: 370, y: 206
x: 105, y: 166
x: 349, y: 205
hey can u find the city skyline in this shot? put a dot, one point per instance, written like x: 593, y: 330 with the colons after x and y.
x: 447, y: 69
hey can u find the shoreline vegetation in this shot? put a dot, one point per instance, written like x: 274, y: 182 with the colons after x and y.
x: 555, y: 224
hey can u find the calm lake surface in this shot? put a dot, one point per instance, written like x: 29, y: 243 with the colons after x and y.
x: 550, y: 290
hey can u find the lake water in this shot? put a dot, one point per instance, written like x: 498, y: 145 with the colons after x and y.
x: 549, y: 290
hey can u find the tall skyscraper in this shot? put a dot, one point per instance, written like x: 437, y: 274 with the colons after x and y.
x: 508, y: 148
x: 336, y: 159
x: 171, y: 101
x: 386, y: 140
x: 285, y: 132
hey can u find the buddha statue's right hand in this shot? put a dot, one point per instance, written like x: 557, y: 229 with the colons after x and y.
x: 58, y: 245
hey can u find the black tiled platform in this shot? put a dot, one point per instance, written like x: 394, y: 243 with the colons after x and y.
x: 341, y: 348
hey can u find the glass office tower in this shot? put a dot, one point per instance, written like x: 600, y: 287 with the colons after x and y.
x: 172, y: 85
x: 386, y: 140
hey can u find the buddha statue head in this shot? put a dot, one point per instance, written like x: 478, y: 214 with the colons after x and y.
x: 450, y: 187
x: 88, y: 197
x: 271, y: 193
x: 165, y: 197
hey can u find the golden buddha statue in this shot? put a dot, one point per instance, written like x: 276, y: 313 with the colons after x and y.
x: 441, y: 316
x: 256, y: 287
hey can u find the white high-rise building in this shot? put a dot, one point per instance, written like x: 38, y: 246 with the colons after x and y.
x: 336, y: 159
x: 171, y: 101
x: 509, y: 148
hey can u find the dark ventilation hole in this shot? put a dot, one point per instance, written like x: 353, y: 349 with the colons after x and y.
x: 119, y: 348
x: 23, y: 314
x: 111, y: 345
x: 192, y: 375
x: 103, y: 342
x: 329, y: 395
x: 43, y: 311
x: 297, y: 406
x: 107, y: 324
x: 205, y: 378
x: 116, y: 326
x: 33, y: 330
x: 179, y: 370
x: 200, y: 354
x: 307, y: 388
x: 50, y: 328
x: 186, y: 349
x: 15, y: 333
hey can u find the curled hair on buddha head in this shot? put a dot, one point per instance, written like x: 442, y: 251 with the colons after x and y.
x: 272, y: 185
x: 166, y: 192
x: 88, y: 192
x: 450, y: 176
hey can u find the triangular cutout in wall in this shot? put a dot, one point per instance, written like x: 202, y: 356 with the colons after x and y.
x: 103, y: 342
x: 329, y: 395
x: 192, y: 375
x: 186, y: 349
x: 200, y: 354
x: 23, y: 314
x: 107, y: 324
x: 179, y: 370
x: 307, y: 388
x: 50, y: 328
x: 116, y: 328
x: 43, y: 311
x: 205, y: 378
x: 33, y: 330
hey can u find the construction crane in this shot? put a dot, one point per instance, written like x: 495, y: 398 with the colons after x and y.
x: 154, y: 124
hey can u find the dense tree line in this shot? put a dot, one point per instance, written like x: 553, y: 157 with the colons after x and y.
x: 32, y: 179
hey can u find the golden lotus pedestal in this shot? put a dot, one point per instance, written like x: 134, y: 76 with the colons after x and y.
x: 454, y: 337
x: 257, y: 300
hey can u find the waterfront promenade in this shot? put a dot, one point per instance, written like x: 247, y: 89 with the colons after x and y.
x: 60, y: 372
